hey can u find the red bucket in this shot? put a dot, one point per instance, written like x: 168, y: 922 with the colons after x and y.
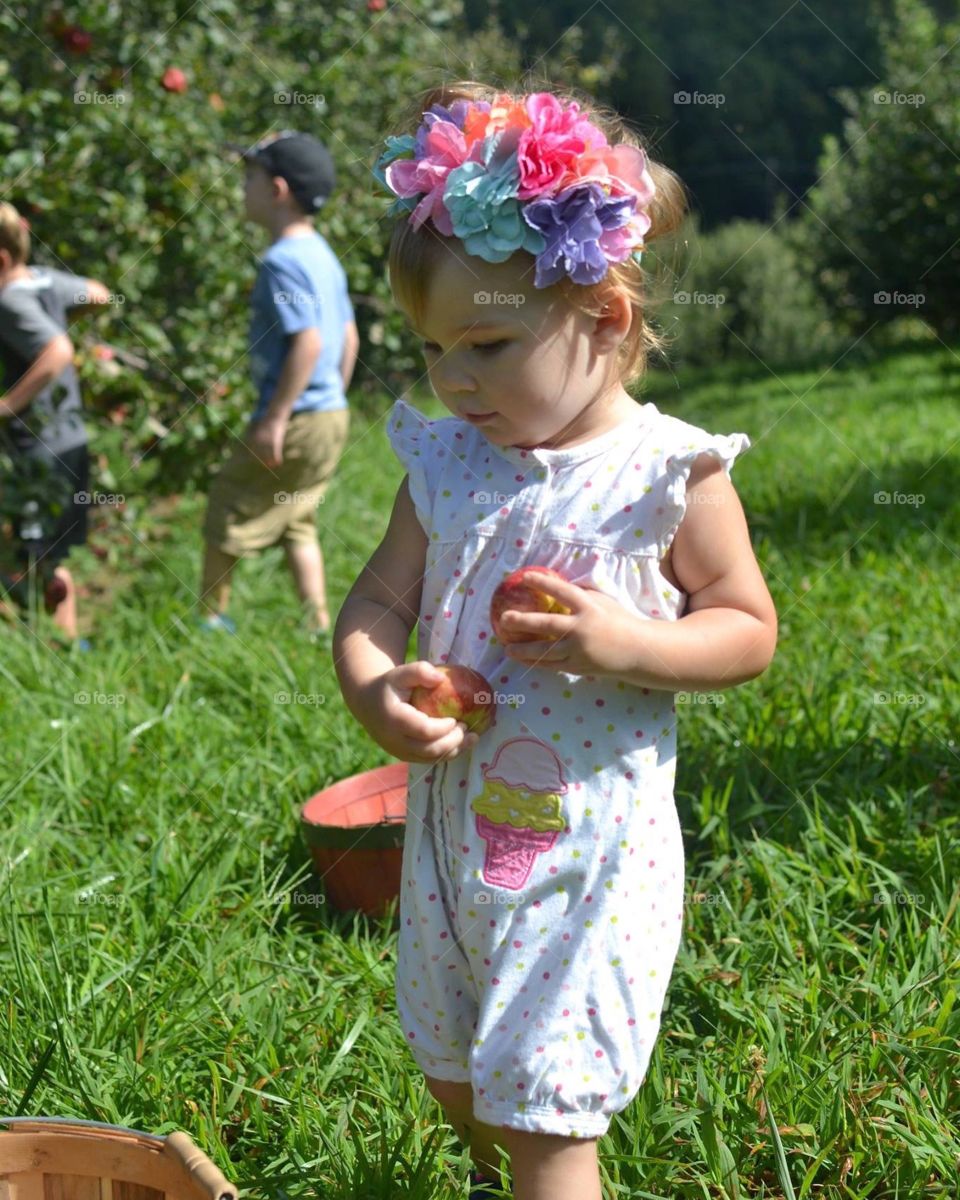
x: 354, y: 832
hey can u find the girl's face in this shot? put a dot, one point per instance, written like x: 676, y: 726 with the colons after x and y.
x: 521, y: 363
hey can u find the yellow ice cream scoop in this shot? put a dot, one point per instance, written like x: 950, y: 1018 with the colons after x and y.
x: 540, y: 811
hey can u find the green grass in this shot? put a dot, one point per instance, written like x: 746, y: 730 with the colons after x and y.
x: 163, y: 966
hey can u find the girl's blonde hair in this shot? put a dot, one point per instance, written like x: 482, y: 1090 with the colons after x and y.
x: 14, y: 233
x: 413, y: 253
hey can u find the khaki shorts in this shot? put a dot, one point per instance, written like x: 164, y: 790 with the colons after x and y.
x: 252, y: 506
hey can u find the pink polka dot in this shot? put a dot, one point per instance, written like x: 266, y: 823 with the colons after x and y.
x: 627, y: 507
x: 432, y: 896
x: 517, y: 945
x: 598, y: 1054
x: 495, y: 981
x: 545, y: 711
x: 651, y: 863
x: 631, y: 1021
x: 553, y: 870
x: 546, y: 974
x: 566, y: 1012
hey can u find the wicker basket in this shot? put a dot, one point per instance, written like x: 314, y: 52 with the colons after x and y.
x: 59, y: 1158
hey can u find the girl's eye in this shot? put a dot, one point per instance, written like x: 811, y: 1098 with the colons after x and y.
x: 430, y: 347
x: 490, y: 347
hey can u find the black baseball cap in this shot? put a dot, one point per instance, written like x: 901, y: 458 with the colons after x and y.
x: 299, y: 158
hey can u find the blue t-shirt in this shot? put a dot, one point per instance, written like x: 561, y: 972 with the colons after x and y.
x: 300, y: 283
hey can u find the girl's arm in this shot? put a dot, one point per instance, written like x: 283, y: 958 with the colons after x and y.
x: 370, y: 645
x: 727, y: 634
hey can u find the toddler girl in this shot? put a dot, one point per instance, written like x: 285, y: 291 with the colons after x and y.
x: 542, y: 891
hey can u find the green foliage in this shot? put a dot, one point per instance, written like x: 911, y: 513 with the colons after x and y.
x: 743, y: 293
x: 758, y: 79
x: 126, y: 181
x: 884, y: 220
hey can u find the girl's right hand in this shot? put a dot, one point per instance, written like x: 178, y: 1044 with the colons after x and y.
x: 403, y: 730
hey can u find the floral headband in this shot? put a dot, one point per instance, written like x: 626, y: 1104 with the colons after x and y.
x: 530, y: 175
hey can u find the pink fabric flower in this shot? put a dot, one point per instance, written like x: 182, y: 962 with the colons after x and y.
x: 446, y: 149
x: 620, y: 170
x: 549, y: 148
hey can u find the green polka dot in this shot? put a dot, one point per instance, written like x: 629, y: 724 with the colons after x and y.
x: 555, y: 736
x: 638, y: 533
x: 575, y: 854
x: 588, y: 812
x: 567, y: 694
x: 588, y: 924
x: 445, y: 492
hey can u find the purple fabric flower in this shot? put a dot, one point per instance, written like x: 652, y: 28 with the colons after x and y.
x: 573, y: 226
x: 456, y: 114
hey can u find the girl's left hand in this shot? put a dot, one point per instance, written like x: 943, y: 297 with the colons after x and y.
x: 592, y: 640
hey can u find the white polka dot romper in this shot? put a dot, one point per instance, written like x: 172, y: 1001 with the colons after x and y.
x: 542, y: 896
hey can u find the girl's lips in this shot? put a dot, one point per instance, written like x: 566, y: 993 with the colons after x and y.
x: 478, y: 418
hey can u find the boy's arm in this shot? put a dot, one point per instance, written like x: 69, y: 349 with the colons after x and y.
x: 52, y: 360
x: 267, y: 435
x: 96, y: 293
x: 351, y: 347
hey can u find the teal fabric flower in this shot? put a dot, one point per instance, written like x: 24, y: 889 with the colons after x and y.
x: 481, y: 199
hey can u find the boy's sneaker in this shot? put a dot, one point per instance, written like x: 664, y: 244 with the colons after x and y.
x: 217, y: 623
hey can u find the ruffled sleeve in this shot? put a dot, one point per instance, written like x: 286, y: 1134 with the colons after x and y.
x: 408, y: 431
x: 679, y: 461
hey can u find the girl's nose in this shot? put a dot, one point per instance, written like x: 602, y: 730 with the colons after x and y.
x: 449, y: 378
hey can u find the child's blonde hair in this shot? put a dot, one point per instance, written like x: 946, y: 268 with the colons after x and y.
x: 14, y: 233
x: 414, y: 252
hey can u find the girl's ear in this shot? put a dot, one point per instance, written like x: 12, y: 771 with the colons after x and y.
x: 613, y: 324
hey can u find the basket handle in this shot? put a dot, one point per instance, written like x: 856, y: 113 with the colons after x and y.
x: 205, y: 1172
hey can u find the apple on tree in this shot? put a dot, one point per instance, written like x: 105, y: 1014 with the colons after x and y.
x: 516, y: 593
x: 174, y: 80
x: 462, y: 693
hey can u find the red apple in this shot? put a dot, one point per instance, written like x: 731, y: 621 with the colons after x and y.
x: 174, y: 80
x: 463, y: 693
x: 76, y: 39
x: 516, y: 593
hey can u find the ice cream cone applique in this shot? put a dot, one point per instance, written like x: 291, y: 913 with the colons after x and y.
x: 519, y: 812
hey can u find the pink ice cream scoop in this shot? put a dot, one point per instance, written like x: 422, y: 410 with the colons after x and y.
x: 519, y: 813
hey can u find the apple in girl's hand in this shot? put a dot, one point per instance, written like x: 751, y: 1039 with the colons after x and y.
x: 516, y: 593
x: 462, y: 693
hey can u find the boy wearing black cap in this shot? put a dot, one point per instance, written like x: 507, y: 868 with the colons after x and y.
x: 303, y: 347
